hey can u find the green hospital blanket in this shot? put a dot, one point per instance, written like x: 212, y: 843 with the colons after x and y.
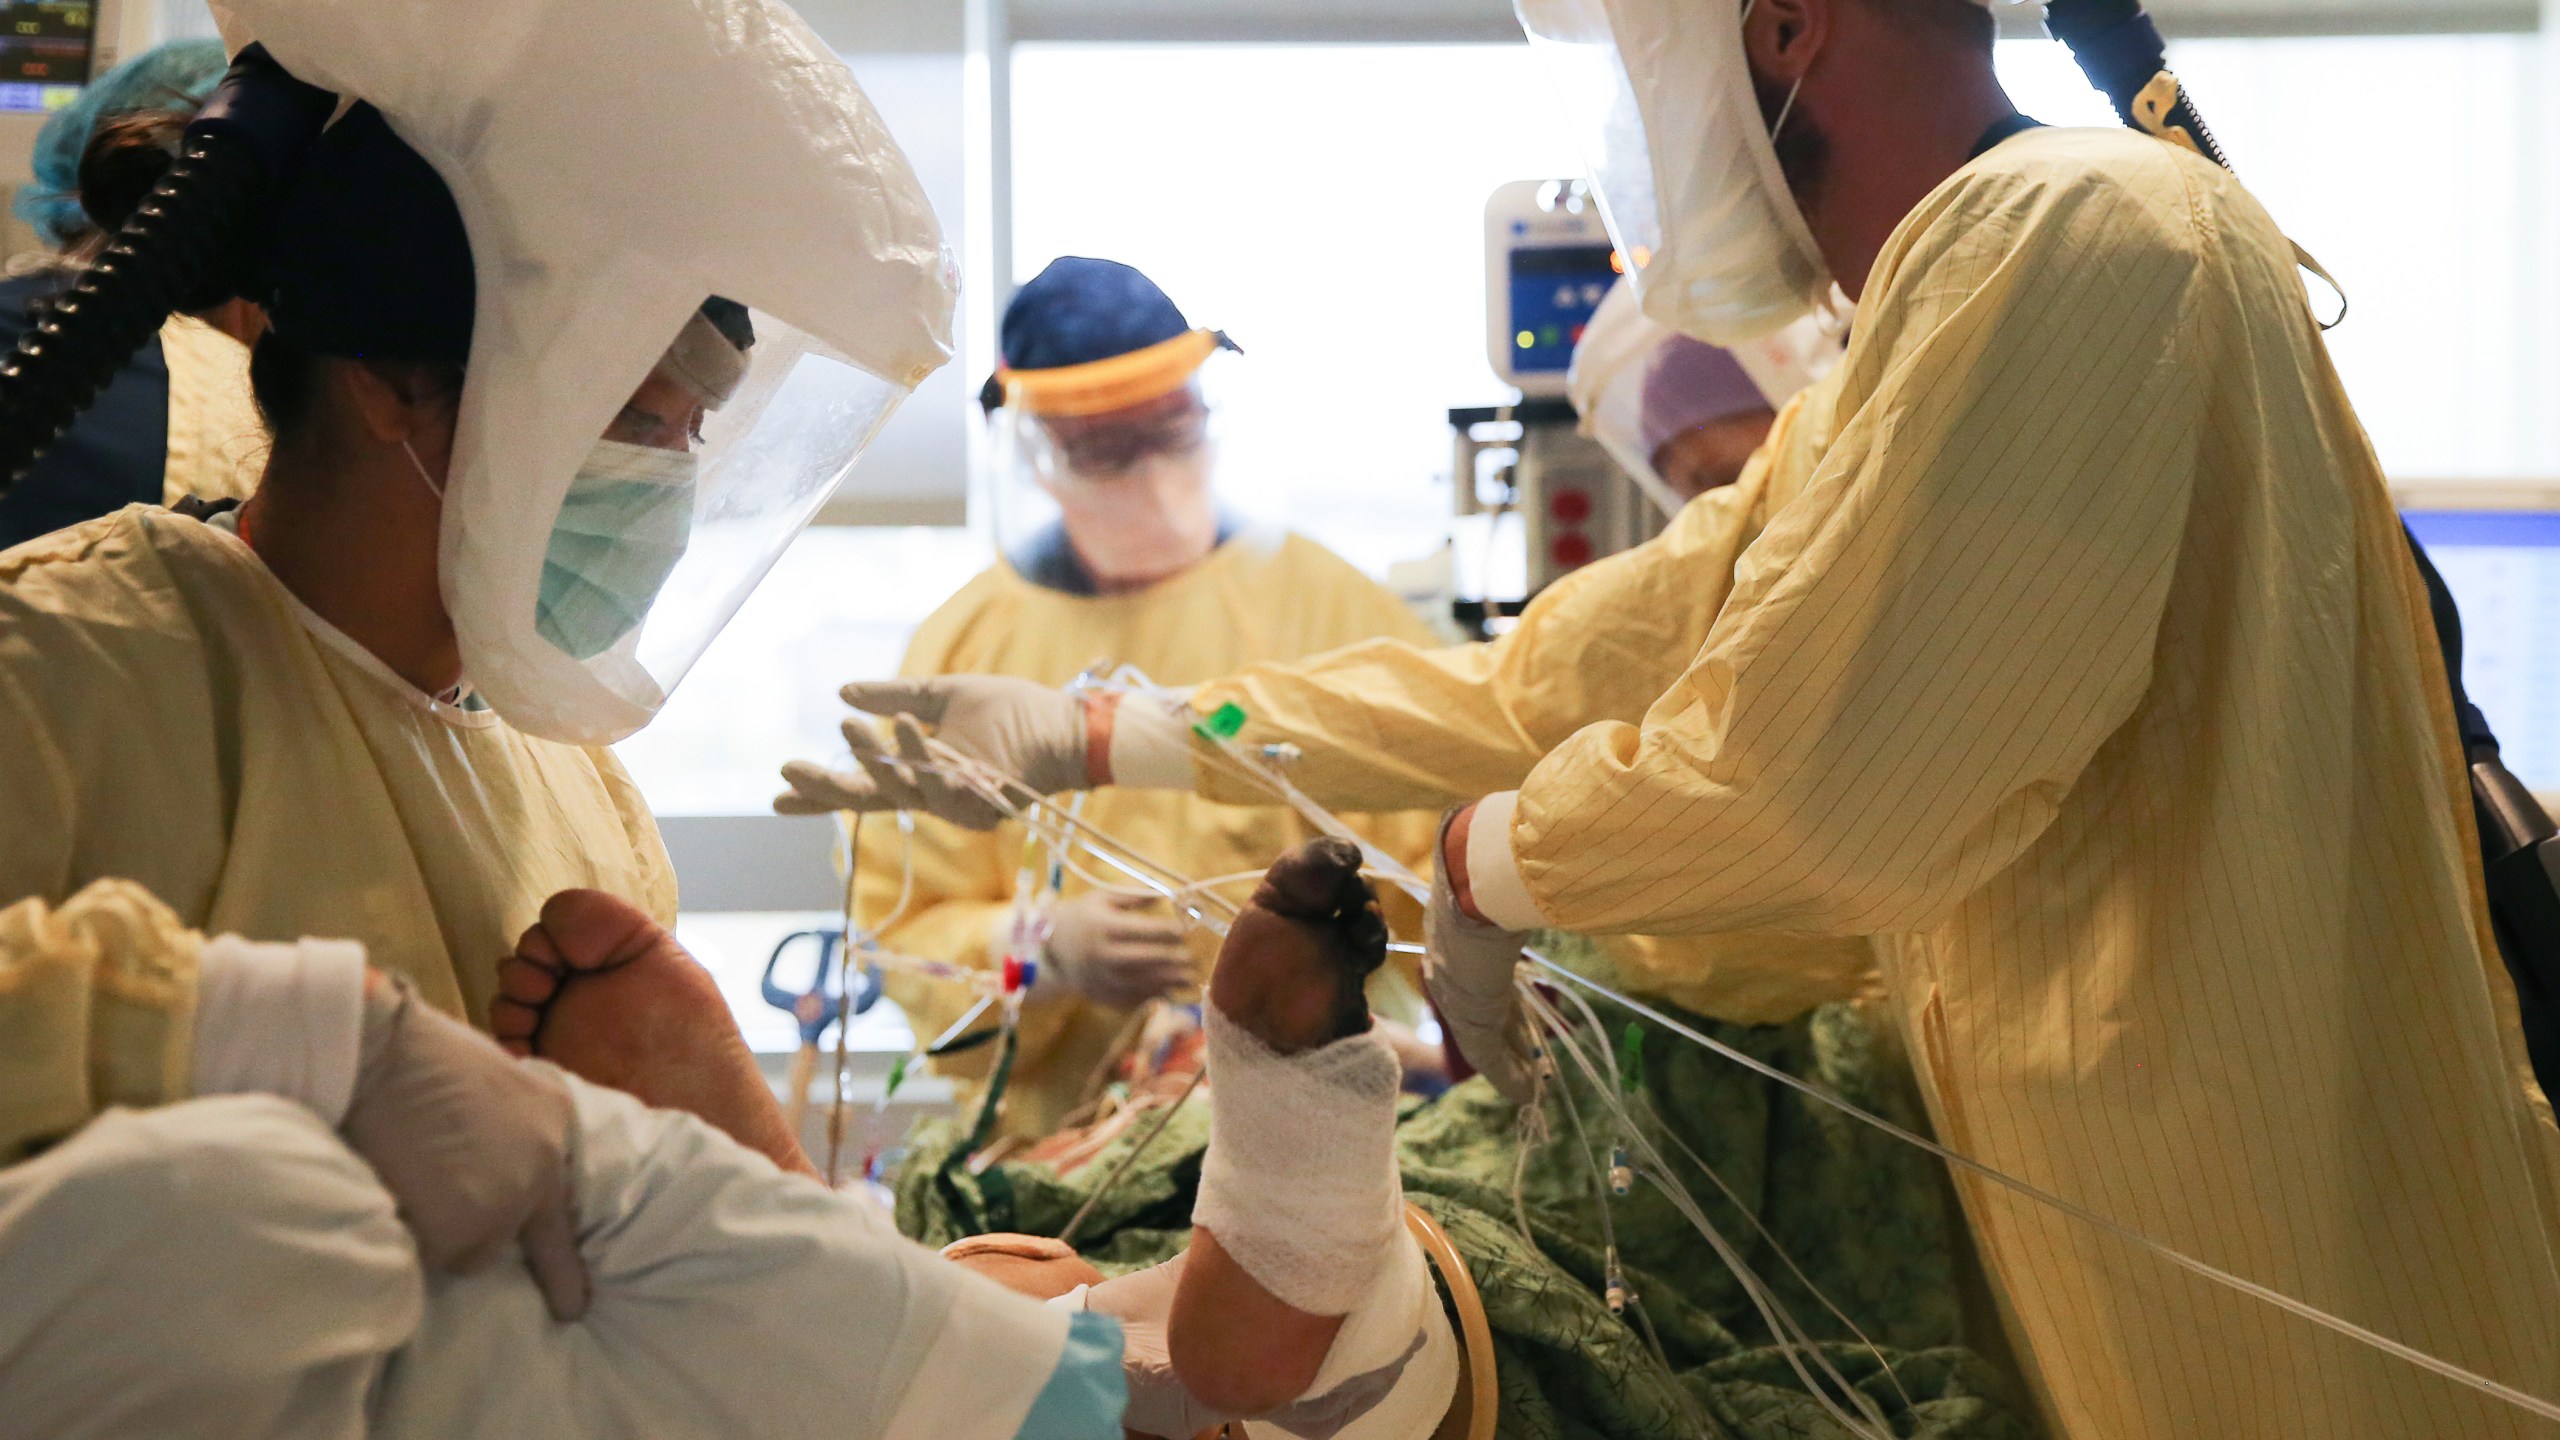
x: 1867, y: 1220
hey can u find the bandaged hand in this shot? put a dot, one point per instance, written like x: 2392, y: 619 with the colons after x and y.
x: 1115, y: 949
x: 1471, y: 970
x: 474, y: 1146
x: 1024, y: 731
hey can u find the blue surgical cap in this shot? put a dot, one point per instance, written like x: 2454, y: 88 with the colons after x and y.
x: 176, y: 76
x: 1081, y: 310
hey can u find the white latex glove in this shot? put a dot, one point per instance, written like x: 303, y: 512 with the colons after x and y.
x: 1030, y: 731
x: 1116, y: 949
x: 1471, y: 969
x: 474, y: 1145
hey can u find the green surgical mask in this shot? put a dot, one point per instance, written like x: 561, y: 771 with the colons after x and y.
x: 621, y: 530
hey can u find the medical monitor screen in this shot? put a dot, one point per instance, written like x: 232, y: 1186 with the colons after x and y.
x: 2504, y: 570
x: 45, y: 48
x: 1554, y: 289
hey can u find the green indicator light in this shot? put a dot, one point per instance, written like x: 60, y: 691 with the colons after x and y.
x: 1224, y: 724
x: 1631, y: 1057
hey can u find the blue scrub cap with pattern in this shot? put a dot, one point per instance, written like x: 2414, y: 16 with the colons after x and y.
x: 176, y: 76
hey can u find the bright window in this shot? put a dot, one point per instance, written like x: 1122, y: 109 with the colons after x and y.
x: 2440, y: 230
x: 1323, y: 205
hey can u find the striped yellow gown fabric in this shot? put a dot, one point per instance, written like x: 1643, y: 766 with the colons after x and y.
x: 2084, y: 661
x: 1390, y: 722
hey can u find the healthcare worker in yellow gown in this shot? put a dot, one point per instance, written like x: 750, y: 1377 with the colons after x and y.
x: 1139, y: 567
x: 213, y: 711
x: 2064, y: 640
x: 505, y: 507
x: 373, y: 704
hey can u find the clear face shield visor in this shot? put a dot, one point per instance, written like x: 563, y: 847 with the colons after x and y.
x: 709, y: 468
x: 599, y: 157
x: 1139, y: 476
x: 1661, y: 100
x: 1606, y: 386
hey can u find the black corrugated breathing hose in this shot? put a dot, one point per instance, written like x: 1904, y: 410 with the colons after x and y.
x: 2123, y: 54
x: 187, y: 243
x: 174, y: 242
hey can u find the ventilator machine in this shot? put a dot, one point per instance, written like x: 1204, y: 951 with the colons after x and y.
x: 1548, y: 264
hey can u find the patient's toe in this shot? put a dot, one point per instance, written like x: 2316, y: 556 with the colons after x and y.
x: 1320, y: 881
x: 513, y: 1024
x: 1313, y: 881
x: 591, y: 930
x: 1292, y: 966
x: 527, y: 982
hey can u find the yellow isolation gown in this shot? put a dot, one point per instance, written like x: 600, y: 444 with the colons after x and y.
x: 2082, y: 658
x: 217, y: 442
x: 172, y: 717
x: 1390, y: 722
x: 97, y: 1008
x: 1259, y: 596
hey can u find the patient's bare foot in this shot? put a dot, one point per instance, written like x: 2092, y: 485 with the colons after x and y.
x: 604, y: 992
x: 1294, y: 962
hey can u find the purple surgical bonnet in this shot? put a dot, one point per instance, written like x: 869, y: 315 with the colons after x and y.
x: 1689, y: 384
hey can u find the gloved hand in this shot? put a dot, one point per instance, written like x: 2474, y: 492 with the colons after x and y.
x: 475, y: 1146
x: 1110, y: 949
x: 1029, y: 731
x: 1470, y: 967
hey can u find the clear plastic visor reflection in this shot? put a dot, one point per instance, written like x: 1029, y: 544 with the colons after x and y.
x: 1105, y: 458
x: 695, y: 488
x: 1590, y: 92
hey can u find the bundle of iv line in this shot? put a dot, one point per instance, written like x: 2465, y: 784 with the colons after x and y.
x: 1080, y: 847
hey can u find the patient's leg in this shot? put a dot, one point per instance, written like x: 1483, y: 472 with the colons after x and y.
x: 1289, y: 979
x: 606, y: 993
x: 1301, y: 1301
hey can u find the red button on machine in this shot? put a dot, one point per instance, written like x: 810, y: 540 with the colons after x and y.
x: 1571, y: 552
x: 1570, y: 506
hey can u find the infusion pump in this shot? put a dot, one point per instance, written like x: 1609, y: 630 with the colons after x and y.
x: 1525, y: 470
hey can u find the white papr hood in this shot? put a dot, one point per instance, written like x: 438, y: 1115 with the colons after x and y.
x: 1680, y: 155
x: 615, y: 162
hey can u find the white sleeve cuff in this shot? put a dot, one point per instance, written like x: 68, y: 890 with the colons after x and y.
x: 1151, y: 741
x: 282, y: 1020
x: 1493, y: 871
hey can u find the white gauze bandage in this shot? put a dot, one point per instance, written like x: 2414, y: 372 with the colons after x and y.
x: 1300, y: 1184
